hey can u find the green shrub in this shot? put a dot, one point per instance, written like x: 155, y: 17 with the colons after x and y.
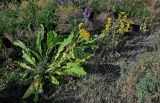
x: 54, y: 57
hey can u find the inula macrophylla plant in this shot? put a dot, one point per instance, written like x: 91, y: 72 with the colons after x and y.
x: 49, y: 62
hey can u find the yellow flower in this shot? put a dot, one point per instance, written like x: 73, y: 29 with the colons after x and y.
x: 84, y: 34
x: 109, y: 24
x: 125, y: 23
x: 122, y: 16
x: 128, y: 25
x: 122, y: 26
x: 143, y: 27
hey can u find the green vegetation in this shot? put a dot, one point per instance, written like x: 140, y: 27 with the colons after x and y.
x: 21, y: 20
x: 49, y: 62
x: 79, y: 51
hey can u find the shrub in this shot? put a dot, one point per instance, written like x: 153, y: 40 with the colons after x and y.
x: 54, y: 57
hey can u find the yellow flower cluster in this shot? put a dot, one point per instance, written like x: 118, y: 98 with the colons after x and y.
x: 109, y: 24
x: 143, y: 27
x: 83, y: 33
x: 125, y: 23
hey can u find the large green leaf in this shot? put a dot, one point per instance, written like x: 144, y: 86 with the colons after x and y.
x: 33, y: 88
x: 39, y: 38
x: 23, y: 65
x: 54, y: 80
x: 38, y: 91
x: 74, y: 69
x: 21, y: 45
x: 79, y: 53
x: 53, y: 66
x: 51, y: 40
x: 64, y: 44
x: 36, y: 55
x: 28, y: 57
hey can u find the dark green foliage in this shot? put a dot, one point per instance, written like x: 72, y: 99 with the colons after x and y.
x: 50, y: 62
x: 17, y: 19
